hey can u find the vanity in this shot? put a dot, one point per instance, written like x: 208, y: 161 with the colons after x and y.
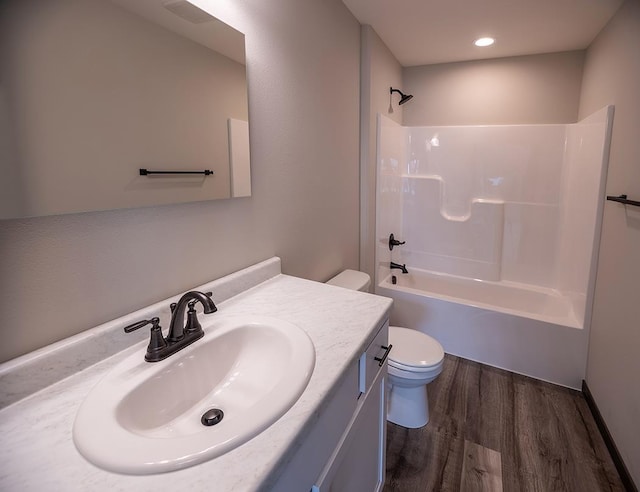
x: 329, y: 436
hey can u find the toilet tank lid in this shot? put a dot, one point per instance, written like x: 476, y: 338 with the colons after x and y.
x: 351, y: 279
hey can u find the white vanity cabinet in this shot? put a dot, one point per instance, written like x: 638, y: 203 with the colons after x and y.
x: 358, y: 462
x: 345, y: 451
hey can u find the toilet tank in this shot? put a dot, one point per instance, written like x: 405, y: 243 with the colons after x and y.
x: 351, y: 279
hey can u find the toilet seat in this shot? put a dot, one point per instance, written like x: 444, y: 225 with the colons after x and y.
x: 416, y: 369
x: 414, y: 351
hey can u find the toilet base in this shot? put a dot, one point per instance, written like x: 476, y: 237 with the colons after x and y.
x: 408, y: 407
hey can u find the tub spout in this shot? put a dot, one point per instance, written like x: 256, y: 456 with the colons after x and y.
x: 403, y: 268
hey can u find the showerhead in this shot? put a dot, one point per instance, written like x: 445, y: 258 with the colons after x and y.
x: 403, y: 97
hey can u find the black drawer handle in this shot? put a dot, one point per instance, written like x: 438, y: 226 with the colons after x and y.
x: 384, y: 357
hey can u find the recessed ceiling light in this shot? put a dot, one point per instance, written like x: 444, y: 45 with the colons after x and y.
x: 484, y: 42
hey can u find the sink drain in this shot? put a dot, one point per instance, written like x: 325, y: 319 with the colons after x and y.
x: 212, y: 417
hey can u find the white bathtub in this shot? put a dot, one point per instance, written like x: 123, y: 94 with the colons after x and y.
x: 529, y: 330
x: 539, y: 303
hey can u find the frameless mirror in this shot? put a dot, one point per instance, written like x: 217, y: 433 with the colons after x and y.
x: 94, y: 91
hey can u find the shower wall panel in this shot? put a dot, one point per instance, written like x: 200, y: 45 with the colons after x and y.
x: 490, y: 204
x: 494, y: 203
x: 583, y: 190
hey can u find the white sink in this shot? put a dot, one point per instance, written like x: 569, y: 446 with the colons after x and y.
x: 145, y: 417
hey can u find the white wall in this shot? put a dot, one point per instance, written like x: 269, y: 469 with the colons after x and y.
x: 612, y: 75
x: 379, y: 70
x: 63, y: 274
x: 515, y: 90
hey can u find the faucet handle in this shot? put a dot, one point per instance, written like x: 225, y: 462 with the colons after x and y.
x: 140, y: 324
x: 394, y: 242
x: 157, y: 343
x: 193, y: 325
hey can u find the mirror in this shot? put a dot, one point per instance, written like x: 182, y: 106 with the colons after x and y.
x: 93, y: 91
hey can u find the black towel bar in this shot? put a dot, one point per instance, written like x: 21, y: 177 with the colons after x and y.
x: 146, y: 172
x: 623, y: 199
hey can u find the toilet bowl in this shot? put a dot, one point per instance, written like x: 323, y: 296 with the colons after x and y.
x: 415, y: 360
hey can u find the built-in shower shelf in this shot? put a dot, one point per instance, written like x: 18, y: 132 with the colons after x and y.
x: 623, y: 199
x: 473, y: 201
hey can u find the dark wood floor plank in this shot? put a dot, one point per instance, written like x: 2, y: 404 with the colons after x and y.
x: 430, y: 458
x: 588, y: 457
x: 481, y: 469
x: 489, y: 420
x: 424, y: 463
x: 540, y: 454
x: 545, y: 435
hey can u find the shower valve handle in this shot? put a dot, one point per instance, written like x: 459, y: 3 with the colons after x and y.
x: 394, y: 242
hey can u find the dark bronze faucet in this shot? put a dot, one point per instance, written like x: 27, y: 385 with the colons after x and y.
x: 179, y: 336
x: 403, y: 268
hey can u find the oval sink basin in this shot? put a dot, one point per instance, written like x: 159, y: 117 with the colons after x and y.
x: 145, y: 418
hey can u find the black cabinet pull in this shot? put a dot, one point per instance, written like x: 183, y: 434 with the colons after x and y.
x: 384, y: 357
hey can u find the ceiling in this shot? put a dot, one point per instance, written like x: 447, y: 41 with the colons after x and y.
x: 423, y: 32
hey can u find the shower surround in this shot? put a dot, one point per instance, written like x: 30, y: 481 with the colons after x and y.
x: 501, y: 225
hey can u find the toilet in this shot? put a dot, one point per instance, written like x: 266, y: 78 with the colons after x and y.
x: 415, y: 360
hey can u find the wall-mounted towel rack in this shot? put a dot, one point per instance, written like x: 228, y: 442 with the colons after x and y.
x: 623, y: 199
x: 146, y: 172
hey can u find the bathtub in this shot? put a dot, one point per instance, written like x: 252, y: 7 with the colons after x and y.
x: 533, y: 331
x: 511, y: 298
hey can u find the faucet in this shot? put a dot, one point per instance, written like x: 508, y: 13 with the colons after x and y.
x: 399, y: 267
x: 177, y: 330
x: 180, y: 335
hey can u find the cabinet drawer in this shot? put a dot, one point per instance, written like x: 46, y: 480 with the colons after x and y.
x: 374, y: 359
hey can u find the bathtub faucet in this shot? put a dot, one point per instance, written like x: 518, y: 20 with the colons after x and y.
x: 399, y: 267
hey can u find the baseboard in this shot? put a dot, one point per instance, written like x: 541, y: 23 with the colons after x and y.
x: 625, y: 476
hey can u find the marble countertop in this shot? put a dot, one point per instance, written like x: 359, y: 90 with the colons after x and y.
x: 38, y: 453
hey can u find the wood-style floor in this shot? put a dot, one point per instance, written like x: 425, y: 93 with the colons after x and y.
x: 492, y: 430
